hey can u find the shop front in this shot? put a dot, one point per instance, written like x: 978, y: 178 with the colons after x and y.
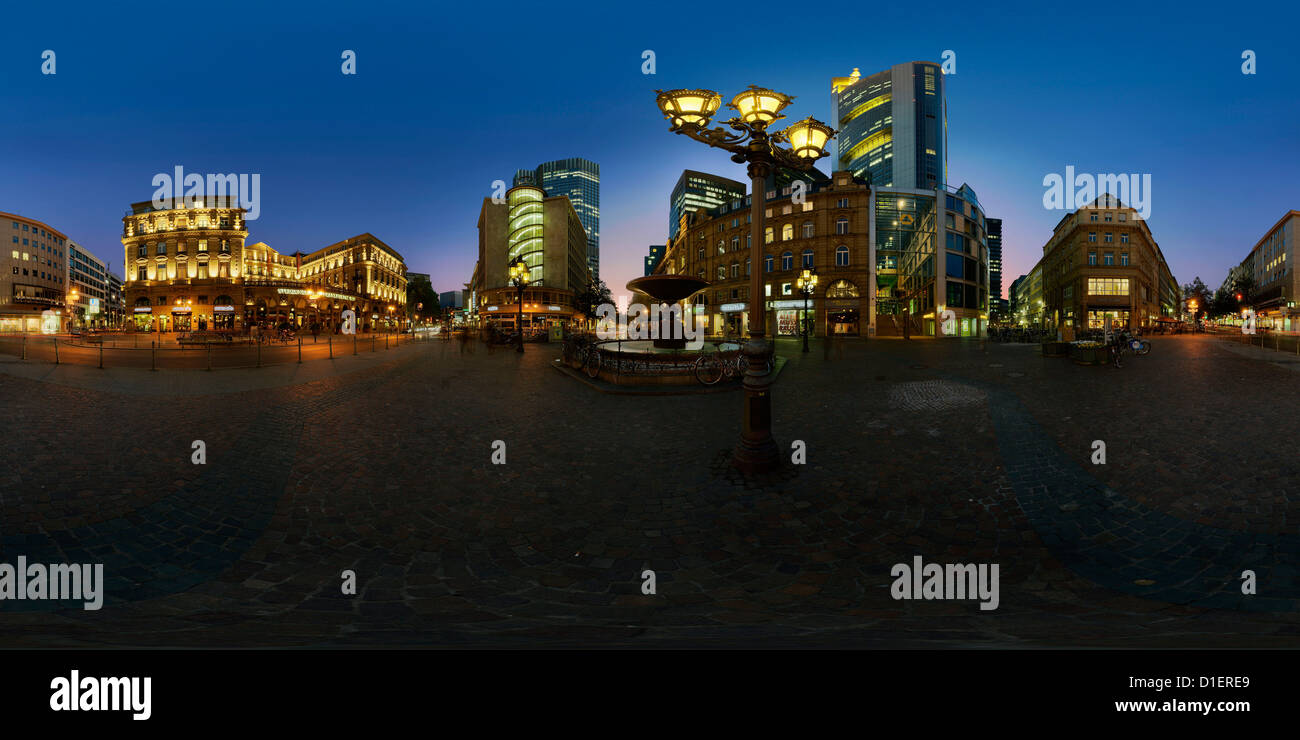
x: 734, y: 319
x: 142, y: 318
x: 223, y: 314
x: 790, y: 316
x: 1108, y: 319
x: 843, y: 320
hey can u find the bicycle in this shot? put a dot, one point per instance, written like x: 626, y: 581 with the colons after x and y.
x: 590, y: 356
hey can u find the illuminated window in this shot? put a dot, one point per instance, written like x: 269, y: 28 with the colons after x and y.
x: 768, y: 235
x: 1108, y: 286
x: 787, y: 232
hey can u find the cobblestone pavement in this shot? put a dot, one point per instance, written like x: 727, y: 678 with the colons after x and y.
x: 954, y: 451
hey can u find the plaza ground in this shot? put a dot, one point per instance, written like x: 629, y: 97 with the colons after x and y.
x: 957, y: 451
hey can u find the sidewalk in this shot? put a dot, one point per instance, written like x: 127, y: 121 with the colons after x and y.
x: 197, y: 382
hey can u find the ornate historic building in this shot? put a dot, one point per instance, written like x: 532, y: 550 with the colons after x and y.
x: 189, y: 268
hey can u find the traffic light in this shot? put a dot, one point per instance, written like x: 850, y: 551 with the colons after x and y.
x: 1238, y: 297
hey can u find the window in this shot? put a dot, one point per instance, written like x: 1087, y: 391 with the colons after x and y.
x: 842, y: 226
x: 1108, y: 286
x: 1092, y: 236
x: 722, y: 272
x: 841, y: 256
x: 141, y: 273
x: 1092, y: 258
x: 747, y: 261
x: 1092, y: 216
x: 1123, y: 216
x: 767, y: 263
x: 735, y: 243
x: 787, y: 288
x: 1108, y: 216
x: 842, y: 203
x: 808, y: 229
x: 1123, y: 259
x: 956, y: 242
x: 1110, y: 238
x: 842, y: 289
x: 162, y: 248
x: 955, y: 266
x: 807, y: 258
x: 1108, y: 259
x: 701, y: 252
x: 768, y: 235
x: 203, y: 245
x: 787, y: 232
x: 1123, y: 238
x: 787, y: 260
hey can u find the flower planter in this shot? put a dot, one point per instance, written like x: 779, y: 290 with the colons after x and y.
x: 1056, y: 349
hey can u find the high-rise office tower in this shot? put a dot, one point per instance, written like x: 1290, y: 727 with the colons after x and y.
x: 655, y: 256
x: 994, y: 230
x: 893, y: 126
x: 579, y: 180
x: 700, y: 190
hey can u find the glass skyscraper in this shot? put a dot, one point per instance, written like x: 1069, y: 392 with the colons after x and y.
x: 579, y: 180
x: 700, y: 190
x: 893, y: 126
x: 994, y: 231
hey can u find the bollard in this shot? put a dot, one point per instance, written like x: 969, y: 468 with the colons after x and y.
x: 299, y: 349
x: 24, y: 347
x: 56, y: 350
x: 153, y: 355
x: 101, y: 355
x: 354, y: 345
x: 372, y: 342
x: 259, y: 352
x: 385, y: 342
x: 209, y: 356
x: 331, y: 343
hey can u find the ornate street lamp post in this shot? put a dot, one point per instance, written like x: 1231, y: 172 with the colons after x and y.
x: 689, y: 112
x: 519, y: 279
x: 806, y: 282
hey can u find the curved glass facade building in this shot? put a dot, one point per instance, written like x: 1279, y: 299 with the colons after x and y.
x: 578, y: 180
x: 526, y: 227
x: 893, y: 126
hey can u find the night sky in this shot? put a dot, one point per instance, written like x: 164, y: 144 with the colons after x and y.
x: 449, y: 98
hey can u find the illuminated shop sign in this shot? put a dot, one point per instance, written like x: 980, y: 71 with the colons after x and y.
x: 554, y: 308
x: 777, y: 305
x: 491, y: 308
x: 731, y: 307
x: 223, y: 309
x: 180, y: 309
x: 143, y: 309
x: 314, y: 294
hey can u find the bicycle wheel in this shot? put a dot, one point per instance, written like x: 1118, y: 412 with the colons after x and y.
x: 1146, y: 348
x: 591, y: 364
x: 708, y: 368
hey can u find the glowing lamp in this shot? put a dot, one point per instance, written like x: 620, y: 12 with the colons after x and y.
x: 688, y: 107
x: 759, y: 106
x: 808, y: 138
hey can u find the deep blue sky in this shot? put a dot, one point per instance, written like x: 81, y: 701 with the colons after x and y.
x: 450, y: 97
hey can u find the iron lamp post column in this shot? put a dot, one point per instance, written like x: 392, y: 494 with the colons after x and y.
x: 689, y: 112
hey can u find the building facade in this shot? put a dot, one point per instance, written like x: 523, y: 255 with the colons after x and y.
x: 116, y: 301
x: 33, y: 276
x: 893, y: 126
x: 653, y: 258
x: 89, y: 275
x: 1276, y: 285
x: 548, y: 235
x: 700, y: 191
x: 189, y: 268
x: 578, y: 180
x: 1102, y: 268
x: 997, y: 304
x: 889, y: 261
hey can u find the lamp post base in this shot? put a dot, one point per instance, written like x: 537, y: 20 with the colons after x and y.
x: 757, y: 451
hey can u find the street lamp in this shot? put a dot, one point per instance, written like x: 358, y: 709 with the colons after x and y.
x: 689, y: 112
x: 519, y: 279
x: 390, y: 317
x: 73, y: 297
x: 806, y: 282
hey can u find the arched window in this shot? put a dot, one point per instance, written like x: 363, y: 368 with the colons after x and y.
x: 735, y: 243
x: 842, y: 226
x: 807, y: 258
x: 841, y: 256
x: 767, y: 263
x: 808, y: 229
x: 735, y: 269
x: 787, y: 260
x: 224, y: 300
x: 842, y: 289
x: 787, y: 232
x: 767, y: 235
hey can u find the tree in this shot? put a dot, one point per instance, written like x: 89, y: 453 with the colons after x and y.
x: 592, y: 296
x: 420, y: 291
x: 1201, y: 294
